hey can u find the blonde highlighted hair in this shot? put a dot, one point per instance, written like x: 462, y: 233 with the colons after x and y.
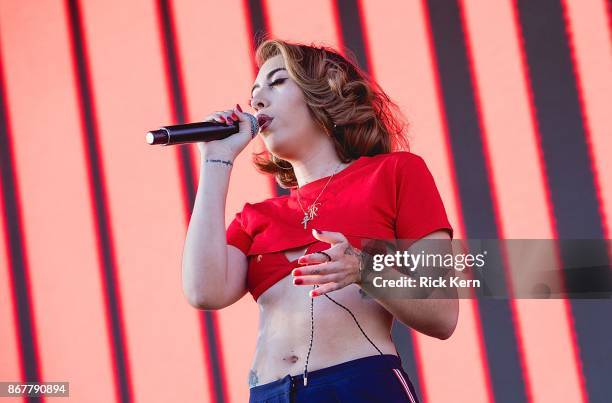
x: 358, y: 115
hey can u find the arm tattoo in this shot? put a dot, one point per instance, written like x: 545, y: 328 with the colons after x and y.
x: 253, y: 378
x: 363, y: 294
x: 226, y: 162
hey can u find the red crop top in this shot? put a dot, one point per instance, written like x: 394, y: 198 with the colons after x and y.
x: 386, y: 196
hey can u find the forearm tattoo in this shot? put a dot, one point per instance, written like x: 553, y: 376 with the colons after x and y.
x: 226, y: 162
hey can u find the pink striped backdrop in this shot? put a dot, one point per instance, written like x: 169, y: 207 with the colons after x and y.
x: 68, y: 233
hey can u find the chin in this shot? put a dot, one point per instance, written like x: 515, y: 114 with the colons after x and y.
x: 275, y: 146
x: 282, y: 147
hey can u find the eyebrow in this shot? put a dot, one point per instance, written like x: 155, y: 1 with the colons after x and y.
x: 268, y: 77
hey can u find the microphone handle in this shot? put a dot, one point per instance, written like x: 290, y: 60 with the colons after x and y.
x: 191, y: 133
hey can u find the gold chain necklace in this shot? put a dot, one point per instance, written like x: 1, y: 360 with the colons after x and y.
x: 314, y: 207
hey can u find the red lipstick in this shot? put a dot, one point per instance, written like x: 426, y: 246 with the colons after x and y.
x: 264, y: 121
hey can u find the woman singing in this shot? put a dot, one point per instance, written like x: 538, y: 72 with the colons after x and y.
x: 332, y: 140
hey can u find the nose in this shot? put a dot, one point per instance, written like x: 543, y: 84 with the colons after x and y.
x: 258, y: 101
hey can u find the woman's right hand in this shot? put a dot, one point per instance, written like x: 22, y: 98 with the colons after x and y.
x: 230, y: 146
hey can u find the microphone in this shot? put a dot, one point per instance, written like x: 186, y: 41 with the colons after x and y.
x: 197, y: 132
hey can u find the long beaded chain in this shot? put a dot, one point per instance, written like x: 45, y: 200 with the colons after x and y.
x: 307, y: 218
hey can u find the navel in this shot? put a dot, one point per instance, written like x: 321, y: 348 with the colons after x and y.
x: 292, y: 359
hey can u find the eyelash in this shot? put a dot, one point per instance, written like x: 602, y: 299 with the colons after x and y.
x: 277, y: 81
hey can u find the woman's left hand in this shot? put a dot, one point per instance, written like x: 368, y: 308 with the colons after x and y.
x: 342, y: 270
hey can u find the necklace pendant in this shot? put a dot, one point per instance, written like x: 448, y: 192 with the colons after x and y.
x: 305, y: 220
x: 314, y: 207
x: 312, y: 210
x: 310, y: 214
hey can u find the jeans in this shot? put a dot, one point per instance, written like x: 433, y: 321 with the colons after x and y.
x: 376, y: 378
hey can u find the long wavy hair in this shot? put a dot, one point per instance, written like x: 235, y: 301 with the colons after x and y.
x: 356, y: 113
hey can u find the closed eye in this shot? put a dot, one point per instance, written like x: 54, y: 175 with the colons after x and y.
x: 277, y: 81
x: 273, y: 83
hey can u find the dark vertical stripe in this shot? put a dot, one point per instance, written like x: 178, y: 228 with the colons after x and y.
x: 259, y: 25
x: 106, y: 251
x: 17, y: 260
x: 353, y: 39
x: 208, y: 321
x: 558, y: 113
x: 259, y: 32
x: 570, y: 177
x: 349, y: 15
x: 464, y: 128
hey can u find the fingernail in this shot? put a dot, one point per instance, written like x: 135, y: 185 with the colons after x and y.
x: 235, y: 117
x: 297, y: 272
x: 230, y: 121
x: 313, y: 293
x: 298, y: 281
x: 221, y: 117
x: 238, y: 107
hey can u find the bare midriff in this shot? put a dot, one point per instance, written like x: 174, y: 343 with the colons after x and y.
x: 285, y: 327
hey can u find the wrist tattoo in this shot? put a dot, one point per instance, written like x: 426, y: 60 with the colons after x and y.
x: 226, y: 162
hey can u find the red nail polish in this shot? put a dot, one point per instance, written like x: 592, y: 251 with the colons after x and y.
x: 235, y: 117
x: 230, y: 121
x: 298, y: 281
x: 314, y: 293
x: 297, y: 272
x: 239, y: 108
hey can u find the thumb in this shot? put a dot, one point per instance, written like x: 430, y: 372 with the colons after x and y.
x: 330, y: 237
